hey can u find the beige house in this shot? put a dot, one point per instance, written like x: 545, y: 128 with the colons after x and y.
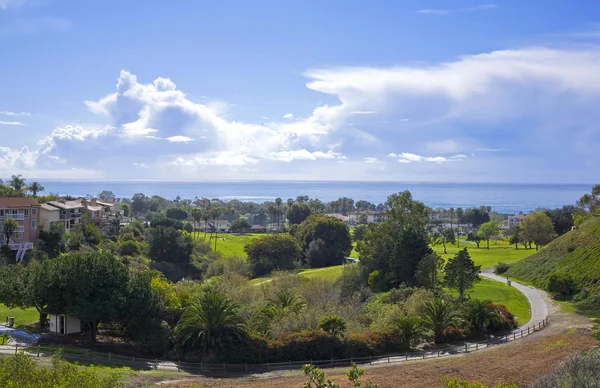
x: 50, y: 215
x: 70, y: 213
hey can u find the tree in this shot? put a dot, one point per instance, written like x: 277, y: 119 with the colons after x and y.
x: 92, y: 234
x: 488, y: 230
x: 476, y: 217
x: 51, y: 240
x: 278, y: 201
x: 334, y: 325
x: 17, y: 182
x: 562, y: 218
x: 272, y: 252
x: 451, y: 215
x: 139, y: 203
x: 240, y: 225
x: 448, y: 236
x: 107, y: 196
x: 588, y: 202
x: 335, y: 234
x: 210, y: 322
x: 475, y: 237
x: 167, y: 243
x: 479, y: 314
x: 537, y: 227
x: 35, y: 187
x: 439, y: 315
x: 177, y: 213
x: 430, y: 271
x: 126, y: 209
x: 461, y: 272
x: 408, y: 329
x: 272, y: 212
x: 359, y: 232
x: 10, y: 227
x: 298, y: 212
x: 459, y: 218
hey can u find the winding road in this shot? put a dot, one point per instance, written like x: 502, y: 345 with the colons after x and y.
x: 539, y: 309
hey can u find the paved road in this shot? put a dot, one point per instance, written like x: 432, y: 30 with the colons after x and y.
x: 539, y: 309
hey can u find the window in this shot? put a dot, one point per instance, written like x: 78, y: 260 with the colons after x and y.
x: 1, y: 213
x: 18, y: 236
x: 14, y: 212
x: 33, y: 224
x: 34, y: 212
x: 26, y: 211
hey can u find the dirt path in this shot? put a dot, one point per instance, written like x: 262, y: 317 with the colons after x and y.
x: 519, y: 362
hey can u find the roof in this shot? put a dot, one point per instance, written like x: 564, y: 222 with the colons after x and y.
x: 105, y: 204
x: 49, y: 208
x: 66, y: 205
x: 18, y: 202
x: 94, y: 208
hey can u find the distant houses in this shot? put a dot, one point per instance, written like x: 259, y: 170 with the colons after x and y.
x: 68, y: 214
x: 25, y: 211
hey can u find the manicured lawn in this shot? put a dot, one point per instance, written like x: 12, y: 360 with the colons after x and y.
x: 328, y: 273
x: 499, y: 251
x: 500, y: 293
x: 21, y: 316
x: 229, y: 244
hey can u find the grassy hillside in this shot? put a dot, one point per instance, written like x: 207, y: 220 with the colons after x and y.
x: 576, y: 252
x: 499, y: 251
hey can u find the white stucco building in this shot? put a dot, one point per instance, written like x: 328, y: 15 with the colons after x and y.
x: 64, y: 324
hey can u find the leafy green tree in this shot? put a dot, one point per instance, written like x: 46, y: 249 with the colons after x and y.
x: 537, y: 227
x: 129, y: 248
x: 272, y: 252
x: 408, y: 329
x: 334, y: 233
x: 359, y: 232
x: 197, y: 215
x: 177, y: 213
x: 477, y: 217
x: 17, y: 182
x: 438, y: 315
x: 316, y: 378
x: 278, y: 202
x: 139, y: 203
x: 50, y: 241
x: 126, y: 209
x: 588, y: 202
x: 334, y: 325
x: 210, y: 322
x: 488, y: 230
x: 166, y: 243
x: 107, y: 196
x: 562, y: 284
x: 10, y: 227
x: 475, y: 237
x: 240, y: 225
x: 447, y: 237
x: 298, y: 212
x: 479, y: 315
x: 461, y: 272
x: 35, y: 187
x: 562, y: 218
x: 92, y: 234
x: 430, y: 271
x: 459, y: 218
x: 9, y: 192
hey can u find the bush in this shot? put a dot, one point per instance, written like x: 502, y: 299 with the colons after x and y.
x: 227, y: 265
x: 334, y: 325
x: 582, y: 370
x: 562, y: 284
x: 177, y: 213
x: 272, y: 252
x: 129, y: 248
x: 92, y: 234
x: 505, y: 321
x: 456, y: 383
x: 501, y: 268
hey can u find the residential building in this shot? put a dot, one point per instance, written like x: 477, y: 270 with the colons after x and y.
x: 70, y: 212
x: 372, y: 216
x: 516, y: 220
x: 25, y: 211
x: 49, y: 216
x: 339, y: 216
x: 99, y: 213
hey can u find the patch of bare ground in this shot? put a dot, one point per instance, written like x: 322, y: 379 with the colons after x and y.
x: 516, y: 362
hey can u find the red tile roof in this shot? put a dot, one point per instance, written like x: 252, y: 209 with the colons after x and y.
x: 18, y: 202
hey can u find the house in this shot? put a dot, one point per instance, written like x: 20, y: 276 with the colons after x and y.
x: 258, y: 229
x: 70, y: 213
x: 372, y: 216
x: 99, y: 213
x: 516, y: 220
x: 50, y: 216
x: 25, y: 211
x: 339, y: 216
x: 64, y: 324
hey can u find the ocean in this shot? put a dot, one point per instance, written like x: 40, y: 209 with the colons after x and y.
x: 502, y: 197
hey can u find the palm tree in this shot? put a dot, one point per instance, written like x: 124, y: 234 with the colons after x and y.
x: 459, y: 215
x: 278, y: 202
x: 35, y: 187
x: 479, y: 314
x: 451, y: 214
x: 408, y: 329
x: 209, y: 322
x: 206, y: 218
x: 438, y: 315
x: 197, y: 217
x: 17, y: 182
x: 271, y: 210
x: 216, y: 215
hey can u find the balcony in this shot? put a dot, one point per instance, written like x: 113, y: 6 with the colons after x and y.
x: 15, y: 217
x: 70, y: 216
x: 16, y: 247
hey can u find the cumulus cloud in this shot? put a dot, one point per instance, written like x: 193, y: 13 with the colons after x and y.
x: 303, y: 154
x: 407, y: 157
x: 179, y: 139
x: 288, y: 116
x: 371, y: 160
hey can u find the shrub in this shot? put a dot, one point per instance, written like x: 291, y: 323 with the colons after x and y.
x: 505, y: 321
x: 334, y: 325
x: 177, y: 213
x: 92, y: 234
x: 501, y: 268
x: 226, y: 265
x: 451, y: 334
x: 562, y: 284
x: 582, y: 370
x: 456, y: 383
x: 129, y: 248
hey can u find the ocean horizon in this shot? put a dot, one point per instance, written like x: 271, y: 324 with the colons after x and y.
x: 502, y: 197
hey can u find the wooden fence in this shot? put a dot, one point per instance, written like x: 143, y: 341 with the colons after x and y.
x: 86, y: 356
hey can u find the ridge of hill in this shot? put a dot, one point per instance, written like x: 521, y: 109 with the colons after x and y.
x: 577, y: 253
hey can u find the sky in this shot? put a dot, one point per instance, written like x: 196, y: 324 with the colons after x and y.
x: 451, y: 91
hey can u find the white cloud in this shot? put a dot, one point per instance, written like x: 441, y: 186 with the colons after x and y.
x: 14, y: 114
x: 139, y: 165
x: 371, y: 160
x: 433, y: 11
x: 392, y: 155
x: 407, y: 157
x: 444, y: 146
x: 303, y: 154
x: 363, y: 112
x: 11, y: 123
x: 288, y: 116
x: 222, y: 159
x: 179, y: 139
x: 481, y: 7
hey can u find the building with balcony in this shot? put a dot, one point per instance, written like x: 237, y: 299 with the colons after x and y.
x: 516, y: 220
x: 69, y: 213
x: 25, y: 211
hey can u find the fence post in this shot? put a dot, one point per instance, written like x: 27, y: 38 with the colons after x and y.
x: 466, y: 348
x: 223, y: 366
x: 423, y: 355
x: 438, y: 352
x: 290, y: 361
x: 406, y: 356
x: 371, y: 359
x: 389, y: 359
x: 156, y: 364
x: 133, y: 360
x: 109, y: 354
x: 527, y: 330
x: 514, y: 336
x: 179, y: 366
x: 16, y: 347
x: 38, y: 350
x: 351, y: 362
x: 269, y: 366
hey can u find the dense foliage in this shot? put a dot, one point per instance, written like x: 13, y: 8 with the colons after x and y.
x: 335, y: 241
x: 272, y: 252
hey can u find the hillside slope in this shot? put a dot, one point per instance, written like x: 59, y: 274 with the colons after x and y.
x: 576, y: 253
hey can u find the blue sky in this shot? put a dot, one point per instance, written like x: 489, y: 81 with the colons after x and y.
x: 460, y: 91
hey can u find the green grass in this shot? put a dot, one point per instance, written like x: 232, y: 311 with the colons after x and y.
x: 21, y: 316
x: 499, y: 251
x: 229, y: 244
x: 328, y: 273
x: 500, y: 293
x: 576, y: 253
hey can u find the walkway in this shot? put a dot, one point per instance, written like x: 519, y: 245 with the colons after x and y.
x: 539, y: 309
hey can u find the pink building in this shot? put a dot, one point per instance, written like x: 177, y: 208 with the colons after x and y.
x: 25, y: 212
